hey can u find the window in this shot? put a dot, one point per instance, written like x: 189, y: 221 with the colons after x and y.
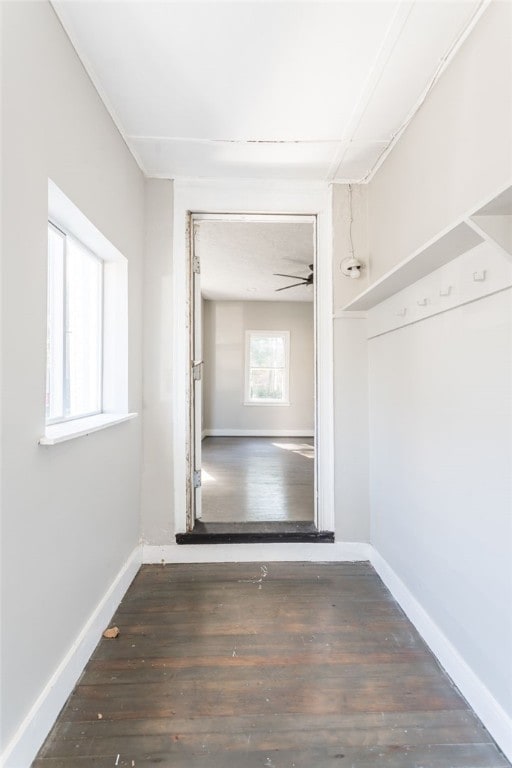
x: 87, y: 326
x: 75, y: 329
x: 267, y: 367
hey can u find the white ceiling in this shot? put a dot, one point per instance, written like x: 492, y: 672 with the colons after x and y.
x: 238, y: 259
x: 277, y: 90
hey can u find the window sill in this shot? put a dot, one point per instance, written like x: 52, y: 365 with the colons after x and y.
x: 263, y: 402
x: 68, y: 430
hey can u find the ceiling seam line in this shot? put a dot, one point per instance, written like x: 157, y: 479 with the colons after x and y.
x: 443, y: 65
x: 364, y: 100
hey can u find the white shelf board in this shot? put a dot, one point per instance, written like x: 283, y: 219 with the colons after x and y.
x: 434, y: 254
x: 491, y: 221
x: 501, y: 205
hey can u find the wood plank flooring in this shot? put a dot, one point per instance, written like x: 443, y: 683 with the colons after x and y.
x: 248, y: 479
x: 272, y: 665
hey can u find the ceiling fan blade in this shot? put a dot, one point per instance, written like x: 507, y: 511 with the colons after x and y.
x: 304, y: 282
x: 294, y: 277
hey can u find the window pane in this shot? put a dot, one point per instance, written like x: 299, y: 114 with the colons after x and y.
x: 267, y: 352
x: 84, y: 330
x: 267, y: 367
x: 266, y: 384
x: 55, y: 326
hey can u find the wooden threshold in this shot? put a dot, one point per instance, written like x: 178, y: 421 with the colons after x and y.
x: 254, y: 533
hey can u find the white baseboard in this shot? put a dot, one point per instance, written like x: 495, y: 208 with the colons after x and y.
x: 248, y: 553
x: 23, y: 747
x: 258, y: 433
x: 492, y: 714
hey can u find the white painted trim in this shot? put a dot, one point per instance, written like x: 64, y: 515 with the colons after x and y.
x: 68, y: 430
x: 259, y: 432
x: 338, y: 552
x: 249, y: 185
x: 23, y: 747
x: 254, y: 218
x: 248, y: 197
x: 444, y: 311
x: 324, y: 370
x: 265, y: 403
x: 492, y: 715
x: 356, y: 314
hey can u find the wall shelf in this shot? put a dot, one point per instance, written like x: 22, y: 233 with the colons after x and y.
x: 465, y: 235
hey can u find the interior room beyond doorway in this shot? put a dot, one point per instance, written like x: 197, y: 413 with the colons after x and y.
x: 258, y: 480
x: 256, y: 458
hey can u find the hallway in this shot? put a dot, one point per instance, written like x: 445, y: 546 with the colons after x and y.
x: 285, y: 665
x: 316, y: 243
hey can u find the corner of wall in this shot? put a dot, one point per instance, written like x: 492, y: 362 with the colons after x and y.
x: 492, y: 715
x: 30, y: 735
x: 157, y: 496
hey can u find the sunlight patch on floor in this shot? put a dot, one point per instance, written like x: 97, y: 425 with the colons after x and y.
x: 206, y: 477
x: 307, y: 454
x: 294, y: 446
x: 302, y: 449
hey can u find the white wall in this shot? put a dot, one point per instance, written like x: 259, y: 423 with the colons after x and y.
x: 157, y: 471
x: 456, y: 152
x: 440, y: 407
x: 70, y: 512
x: 351, y: 490
x: 351, y: 466
x: 441, y: 461
x: 225, y: 324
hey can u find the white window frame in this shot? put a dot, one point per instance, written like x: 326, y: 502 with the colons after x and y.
x: 67, y: 217
x: 67, y: 236
x: 285, y: 401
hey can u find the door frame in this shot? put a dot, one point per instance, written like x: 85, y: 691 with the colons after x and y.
x: 269, y: 218
x: 252, y: 198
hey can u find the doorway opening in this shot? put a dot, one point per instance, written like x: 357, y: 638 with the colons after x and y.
x: 253, y: 468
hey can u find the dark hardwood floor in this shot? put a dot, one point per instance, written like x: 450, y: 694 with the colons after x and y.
x: 275, y: 666
x: 250, y: 479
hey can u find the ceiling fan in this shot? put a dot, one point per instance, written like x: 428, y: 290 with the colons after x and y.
x: 303, y: 280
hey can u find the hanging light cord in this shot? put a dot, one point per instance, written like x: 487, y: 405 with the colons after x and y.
x: 351, y: 220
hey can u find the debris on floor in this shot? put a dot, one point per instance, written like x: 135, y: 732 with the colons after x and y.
x: 111, y: 632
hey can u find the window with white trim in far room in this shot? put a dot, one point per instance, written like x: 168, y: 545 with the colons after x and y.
x: 267, y: 369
